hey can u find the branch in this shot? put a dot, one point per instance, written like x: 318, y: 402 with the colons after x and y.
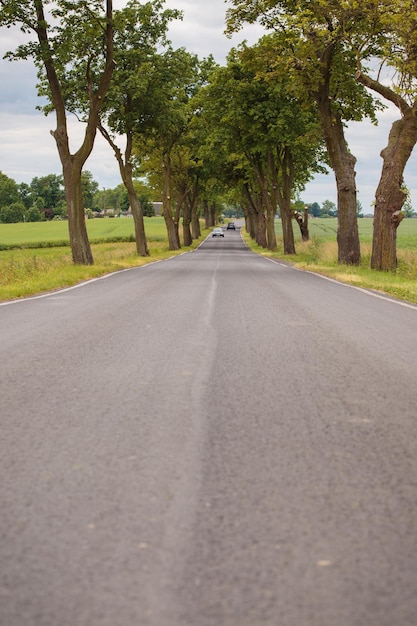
x: 383, y: 90
x: 104, y: 132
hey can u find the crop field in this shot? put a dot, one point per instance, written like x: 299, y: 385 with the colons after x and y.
x: 326, y: 229
x: 45, y: 234
x: 48, y: 234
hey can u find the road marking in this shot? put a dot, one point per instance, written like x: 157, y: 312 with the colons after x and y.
x: 368, y: 292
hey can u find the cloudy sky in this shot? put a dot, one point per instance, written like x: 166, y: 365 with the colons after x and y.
x: 28, y: 150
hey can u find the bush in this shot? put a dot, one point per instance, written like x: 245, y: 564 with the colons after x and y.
x: 13, y: 213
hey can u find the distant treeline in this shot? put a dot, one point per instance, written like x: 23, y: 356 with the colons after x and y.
x: 44, y: 199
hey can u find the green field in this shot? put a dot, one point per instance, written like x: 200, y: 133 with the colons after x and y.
x: 326, y: 229
x: 56, y: 233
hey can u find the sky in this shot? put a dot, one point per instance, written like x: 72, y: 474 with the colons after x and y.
x: 28, y: 150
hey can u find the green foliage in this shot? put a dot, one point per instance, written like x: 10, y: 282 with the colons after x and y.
x: 314, y: 209
x: 32, y: 215
x: 89, y: 188
x: 311, y: 44
x: 13, y: 213
x: 328, y: 208
x: 255, y: 121
x: 50, y: 189
x: 9, y: 191
x: 43, y: 199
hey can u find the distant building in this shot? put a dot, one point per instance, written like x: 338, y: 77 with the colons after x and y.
x: 157, y: 207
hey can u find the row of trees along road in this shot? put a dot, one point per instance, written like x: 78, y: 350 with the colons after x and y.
x: 327, y: 48
x: 253, y: 132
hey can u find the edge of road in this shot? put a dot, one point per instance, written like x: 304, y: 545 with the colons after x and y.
x: 369, y: 292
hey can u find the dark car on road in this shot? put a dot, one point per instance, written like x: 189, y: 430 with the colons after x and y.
x: 231, y: 226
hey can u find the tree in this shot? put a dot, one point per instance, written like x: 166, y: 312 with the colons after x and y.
x: 24, y: 194
x: 13, y: 213
x: 32, y: 214
x: 50, y: 188
x: 163, y: 146
x: 310, y: 46
x: 89, y: 188
x: 140, y: 31
x: 314, y: 209
x: 390, y: 34
x: 407, y: 206
x: 9, y: 191
x: 272, y: 139
x: 328, y: 208
x: 72, y: 38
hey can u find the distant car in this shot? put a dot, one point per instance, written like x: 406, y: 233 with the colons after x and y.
x: 217, y: 232
x: 231, y: 226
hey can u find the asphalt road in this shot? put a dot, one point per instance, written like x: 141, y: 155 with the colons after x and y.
x: 213, y: 440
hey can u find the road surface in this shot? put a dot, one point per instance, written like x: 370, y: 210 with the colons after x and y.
x: 214, y: 440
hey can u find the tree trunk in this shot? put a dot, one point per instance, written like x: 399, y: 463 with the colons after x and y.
x: 302, y: 221
x: 343, y: 165
x: 283, y: 193
x: 80, y: 245
x: 287, y: 230
x: 271, y: 237
x: 269, y: 208
x: 195, y: 222
x: 251, y: 222
x: 186, y: 224
x: 209, y: 214
x: 261, y: 239
x: 212, y: 214
x: 264, y: 205
x: 271, y: 201
x: 390, y: 197
x: 140, y: 235
x: 347, y: 231
x: 126, y: 173
x: 72, y: 164
x: 170, y: 223
x: 206, y: 214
